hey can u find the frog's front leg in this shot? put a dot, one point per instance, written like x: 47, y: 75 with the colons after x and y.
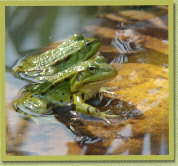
x: 89, y: 110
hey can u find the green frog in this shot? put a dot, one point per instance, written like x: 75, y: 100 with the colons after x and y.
x: 66, y: 55
x: 75, y: 89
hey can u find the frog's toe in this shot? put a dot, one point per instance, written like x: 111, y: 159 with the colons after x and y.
x: 106, y: 116
x: 107, y: 121
x: 105, y: 112
x: 110, y: 116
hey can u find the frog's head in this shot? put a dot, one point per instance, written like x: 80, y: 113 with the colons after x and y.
x: 88, y: 46
x: 96, y: 73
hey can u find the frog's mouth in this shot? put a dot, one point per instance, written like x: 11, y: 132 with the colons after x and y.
x: 97, y: 82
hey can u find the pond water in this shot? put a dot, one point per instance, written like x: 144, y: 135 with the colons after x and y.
x: 134, y: 39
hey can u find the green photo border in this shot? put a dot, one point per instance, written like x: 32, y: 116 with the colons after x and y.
x: 89, y: 157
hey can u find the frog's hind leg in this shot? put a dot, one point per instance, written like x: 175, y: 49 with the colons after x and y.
x: 35, y: 108
x: 32, y: 105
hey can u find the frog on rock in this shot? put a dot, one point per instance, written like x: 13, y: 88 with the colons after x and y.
x: 66, y: 55
x: 80, y: 86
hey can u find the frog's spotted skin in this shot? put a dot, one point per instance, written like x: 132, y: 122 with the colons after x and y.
x: 75, y: 90
x: 66, y: 55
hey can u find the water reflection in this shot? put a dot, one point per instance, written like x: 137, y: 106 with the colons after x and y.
x: 138, y: 39
x: 146, y: 144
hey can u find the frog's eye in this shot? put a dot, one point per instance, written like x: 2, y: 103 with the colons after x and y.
x: 77, y: 37
x: 88, y: 45
x: 101, y: 59
x: 92, y: 69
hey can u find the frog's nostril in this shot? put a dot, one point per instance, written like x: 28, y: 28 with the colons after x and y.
x: 96, y: 40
